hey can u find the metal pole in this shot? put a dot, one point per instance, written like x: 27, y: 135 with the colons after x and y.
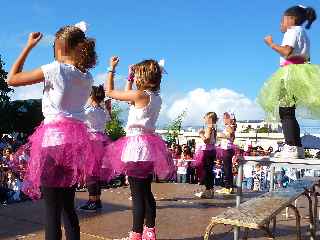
x: 272, y: 172
x: 236, y: 230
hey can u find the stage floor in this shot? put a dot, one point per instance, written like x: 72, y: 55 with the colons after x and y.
x: 180, y: 216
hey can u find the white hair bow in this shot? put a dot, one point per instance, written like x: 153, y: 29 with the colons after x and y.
x: 82, y: 25
x: 302, y: 6
x: 161, y: 64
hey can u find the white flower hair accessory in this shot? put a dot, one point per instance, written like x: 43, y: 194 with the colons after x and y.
x: 82, y: 25
x: 302, y: 6
x: 161, y: 64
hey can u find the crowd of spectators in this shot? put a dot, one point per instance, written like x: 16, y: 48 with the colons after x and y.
x: 11, y: 170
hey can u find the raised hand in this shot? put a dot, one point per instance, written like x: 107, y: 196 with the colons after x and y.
x: 33, y: 39
x: 114, y: 60
x: 268, y: 40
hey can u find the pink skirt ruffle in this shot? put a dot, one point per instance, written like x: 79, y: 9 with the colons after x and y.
x: 139, y: 156
x: 99, y: 141
x: 62, y: 154
x: 200, y: 157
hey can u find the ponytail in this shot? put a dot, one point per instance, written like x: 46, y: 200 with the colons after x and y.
x: 97, y: 94
x: 85, y: 54
x: 311, y: 16
x: 80, y: 46
x: 302, y: 14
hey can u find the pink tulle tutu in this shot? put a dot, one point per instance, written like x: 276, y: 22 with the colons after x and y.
x: 61, y: 154
x: 200, y: 158
x: 139, y: 156
x: 220, y: 151
x: 99, y: 142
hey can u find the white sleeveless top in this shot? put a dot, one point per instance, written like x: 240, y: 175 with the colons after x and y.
x: 143, y: 120
x: 96, y: 118
x: 226, y: 143
x: 66, y: 91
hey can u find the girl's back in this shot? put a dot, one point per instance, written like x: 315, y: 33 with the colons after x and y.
x: 66, y: 90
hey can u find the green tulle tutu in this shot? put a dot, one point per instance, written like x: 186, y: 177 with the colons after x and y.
x: 294, y: 84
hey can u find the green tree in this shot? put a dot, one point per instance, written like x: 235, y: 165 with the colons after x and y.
x: 5, y: 110
x: 115, y: 128
x: 26, y: 115
x: 174, y: 128
x: 263, y: 130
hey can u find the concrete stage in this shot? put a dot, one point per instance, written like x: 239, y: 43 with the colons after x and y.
x: 180, y: 216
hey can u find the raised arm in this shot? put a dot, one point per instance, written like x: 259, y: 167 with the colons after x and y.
x: 18, y: 78
x: 129, y: 83
x: 205, y: 135
x: 139, y: 98
x: 228, y: 134
x: 284, y: 51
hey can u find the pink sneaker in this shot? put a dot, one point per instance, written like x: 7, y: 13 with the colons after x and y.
x: 149, y: 233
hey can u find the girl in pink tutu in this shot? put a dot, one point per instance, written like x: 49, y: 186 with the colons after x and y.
x: 96, y: 119
x: 141, y: 153
x: 61, y: 154
x: 227, y: 151
x: 206, y: 155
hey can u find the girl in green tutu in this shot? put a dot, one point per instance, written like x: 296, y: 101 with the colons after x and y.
x: 296, y: 83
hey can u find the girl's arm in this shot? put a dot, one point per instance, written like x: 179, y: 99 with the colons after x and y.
x: 139, y: 98
x: 206, y: 135
x: 227, y: 134
x: 18, y: 78
x: 129, y: 84
x: 284, y: 51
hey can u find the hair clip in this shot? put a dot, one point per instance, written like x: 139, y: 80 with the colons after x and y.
x: 161, y: 64
x: 82, y: 25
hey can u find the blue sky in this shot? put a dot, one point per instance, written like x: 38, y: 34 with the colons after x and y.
x: 214, y: 45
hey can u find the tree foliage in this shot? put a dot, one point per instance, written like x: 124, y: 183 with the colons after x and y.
x: 26, y: 115
x: 115, y: 128
x: 174, y: 128
x: 4, y: 88
x: 5, y: 110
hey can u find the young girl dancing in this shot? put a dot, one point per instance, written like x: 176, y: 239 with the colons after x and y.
x: 296, y: 83
x: 141, y: 153
x: 226, y: 151
x: 61, y: 153
x: 96, y: 119
x: 206, y: 155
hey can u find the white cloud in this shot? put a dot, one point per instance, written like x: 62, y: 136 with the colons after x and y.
x: 199, y: 101
x: 28, y: 92
x: 47, y: 40
x: 120, y: 80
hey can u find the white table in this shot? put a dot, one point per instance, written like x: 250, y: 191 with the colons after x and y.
x: 307, y: 163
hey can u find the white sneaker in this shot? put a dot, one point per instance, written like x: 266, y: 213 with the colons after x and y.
x: 198, y: 194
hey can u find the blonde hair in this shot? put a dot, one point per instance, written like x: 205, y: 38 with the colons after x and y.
x: 82, y: 48
x: 148, y: 74
x: 212, y: 115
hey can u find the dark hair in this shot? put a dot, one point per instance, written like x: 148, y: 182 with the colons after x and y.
x: 83, y: 48
x: 149, y: 74
x: 302, y: 15
x: 97, y: 93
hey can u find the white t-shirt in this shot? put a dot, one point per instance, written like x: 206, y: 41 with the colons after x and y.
x: 66, y: 91
x: 96, y: 118
x: 296, y: 37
